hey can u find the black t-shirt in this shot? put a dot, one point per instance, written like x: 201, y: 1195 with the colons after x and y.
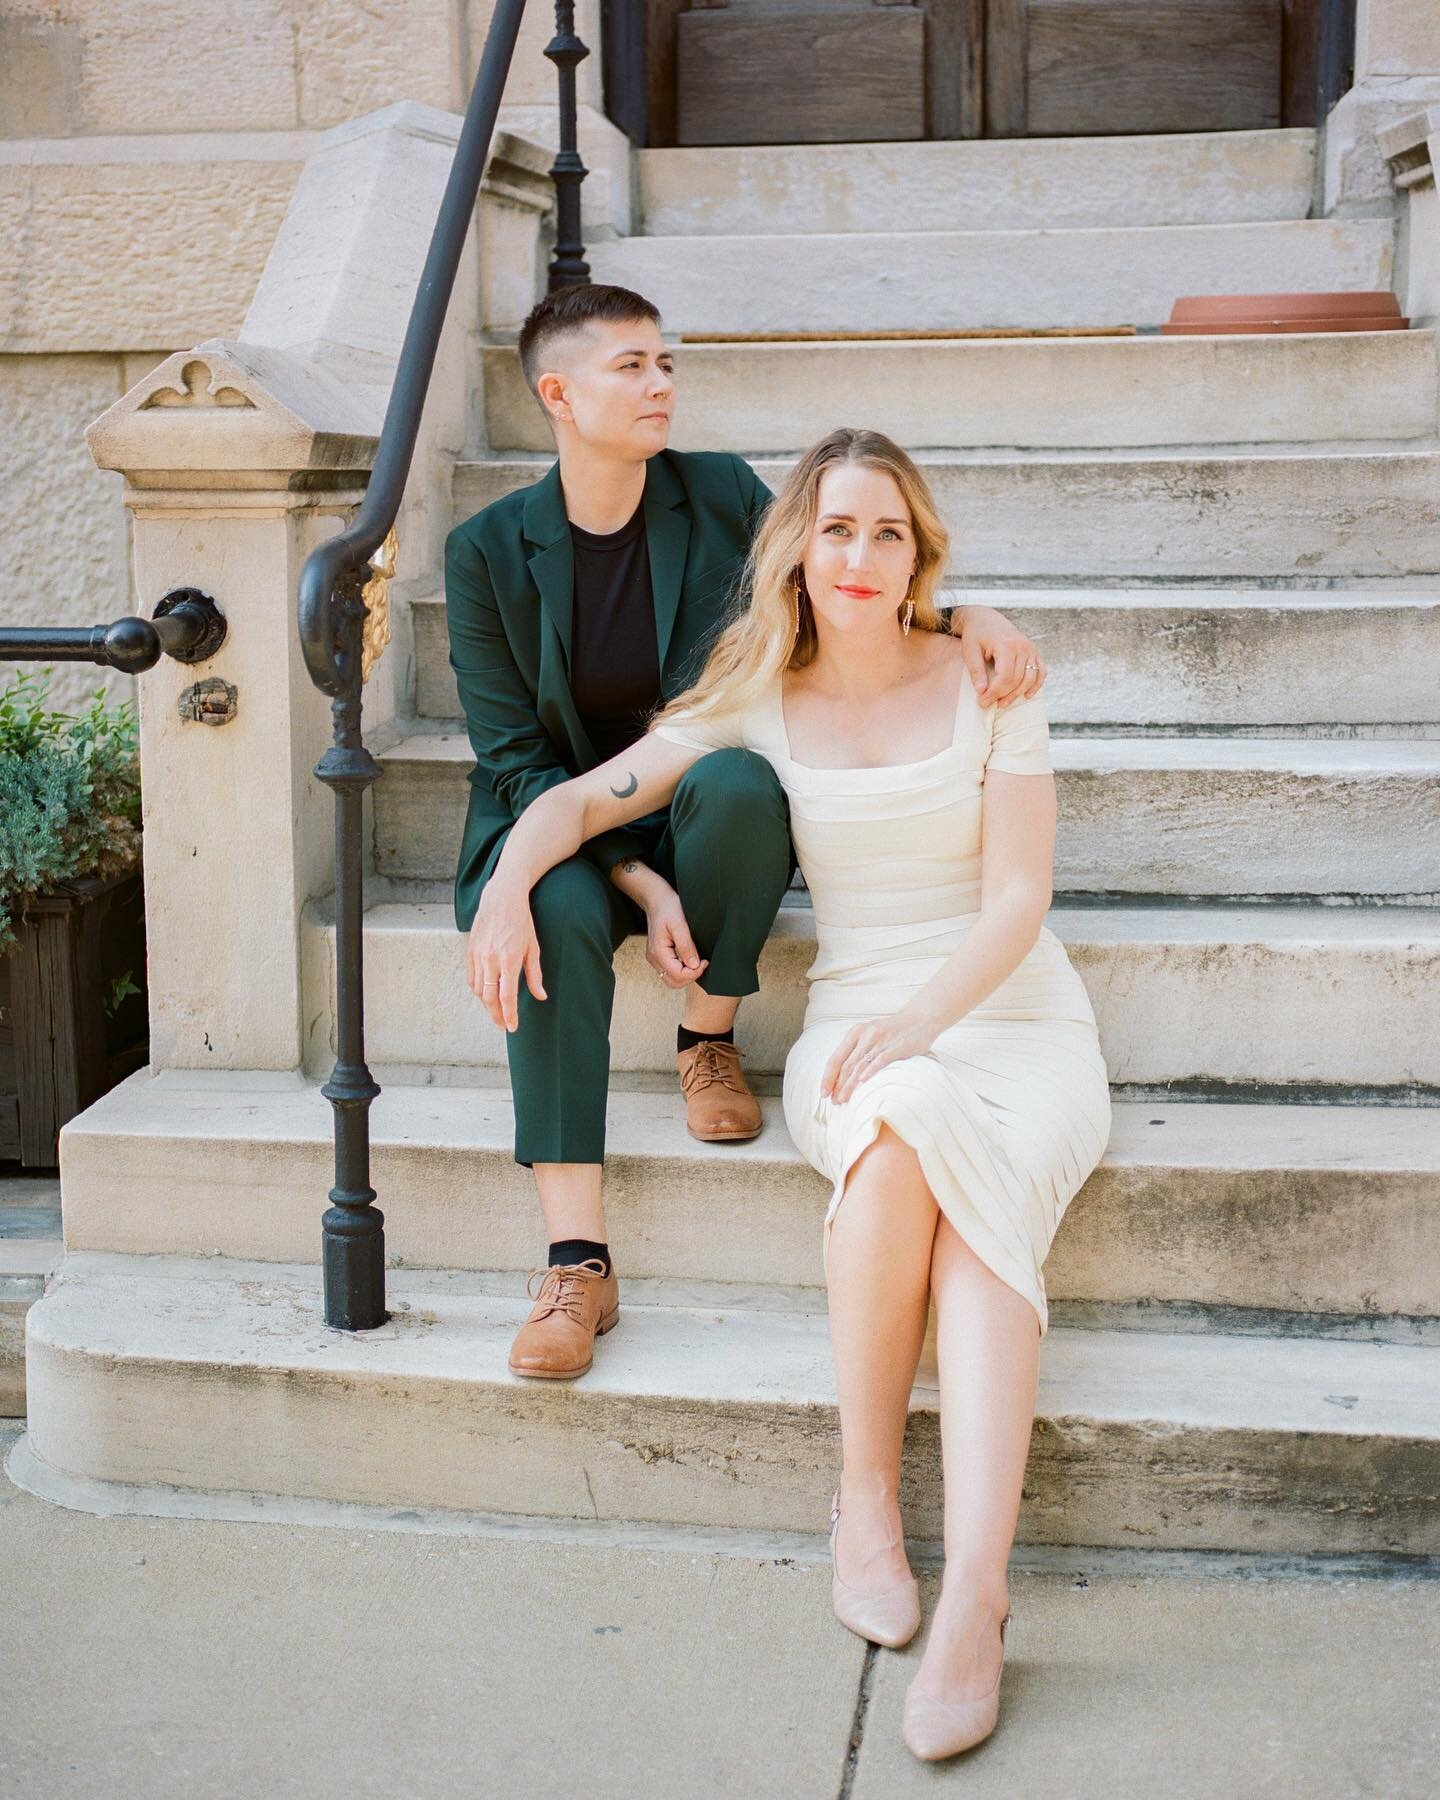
x: 614, y: 653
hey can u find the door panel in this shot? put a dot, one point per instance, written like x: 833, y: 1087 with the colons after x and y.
x: 1120, y: 66
x: 855, y: 71
x: 751, y: 74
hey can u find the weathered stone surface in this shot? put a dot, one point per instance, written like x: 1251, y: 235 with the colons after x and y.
x: 1211, y: 657
x: 1248, y: 816
x: 1397, y: 37
x: 997, y: 184
x: 224, y: 1378
x: 133, y: 244
x: 1173, y: 657
x: 952, y: 280
x: 1087, y: 516
x: 1316, y: 1209
x: 1301, y: 997
x: 1202, y: 815
x: 970, y: 393
x: 67, y: 525
x: 95, y: 66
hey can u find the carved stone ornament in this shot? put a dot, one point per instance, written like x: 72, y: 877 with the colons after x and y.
x: 225, y: 407
x: 375, y: 634
x: 196, y: 384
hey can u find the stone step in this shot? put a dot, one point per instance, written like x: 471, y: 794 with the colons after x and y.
x: 1221, y: 658
x: 967, y: 280
x: 1197, y: 657
x: 999, y: 184
x: 1289, y: 1210
x: 1307, y: 1000
x: 1088, y: 516
x: 1202, y: 815
x: 30, y: 1246
x: 212, y: 1375
x: 971, y: 393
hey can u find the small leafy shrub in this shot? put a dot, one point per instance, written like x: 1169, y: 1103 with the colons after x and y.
x: 69, y: 793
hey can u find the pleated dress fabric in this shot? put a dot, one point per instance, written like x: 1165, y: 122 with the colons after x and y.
x: 1009, y: 1110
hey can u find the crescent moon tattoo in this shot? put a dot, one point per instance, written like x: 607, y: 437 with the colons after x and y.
x: 625, y: 792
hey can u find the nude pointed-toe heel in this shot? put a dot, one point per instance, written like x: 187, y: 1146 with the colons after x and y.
x: 891, y: 1618
x: 934, y: 1728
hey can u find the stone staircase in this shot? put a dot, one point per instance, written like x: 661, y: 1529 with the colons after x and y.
x: 1230, y: 549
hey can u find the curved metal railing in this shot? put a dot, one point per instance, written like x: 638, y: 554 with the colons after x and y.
x: 331, y: 615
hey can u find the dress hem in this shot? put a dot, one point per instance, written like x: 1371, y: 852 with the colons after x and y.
x: 990, y: 1254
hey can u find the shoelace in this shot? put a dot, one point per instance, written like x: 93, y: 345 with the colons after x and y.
x: 714, y: 1063
x: 563, y: 1287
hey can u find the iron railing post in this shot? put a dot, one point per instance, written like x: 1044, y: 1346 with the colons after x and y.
x: 352, y: 1230
x: 568, y: 267
x: 330, y: 617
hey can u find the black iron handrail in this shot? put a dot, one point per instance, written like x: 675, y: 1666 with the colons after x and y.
x: 187, y: 625
x: 331, y: 614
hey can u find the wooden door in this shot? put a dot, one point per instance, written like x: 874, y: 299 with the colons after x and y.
x: 799, y: 71
x: 1066, y: 68
x: 858, y: 71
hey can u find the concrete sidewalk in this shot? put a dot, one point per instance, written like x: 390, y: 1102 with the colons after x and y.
x: 159, y: 1657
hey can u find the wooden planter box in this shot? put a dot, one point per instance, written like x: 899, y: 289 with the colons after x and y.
x: 59, y: 1049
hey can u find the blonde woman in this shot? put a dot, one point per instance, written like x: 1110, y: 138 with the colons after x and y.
x: 948, y: 1081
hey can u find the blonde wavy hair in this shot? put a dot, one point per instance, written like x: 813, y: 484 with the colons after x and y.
x: 777, y: 630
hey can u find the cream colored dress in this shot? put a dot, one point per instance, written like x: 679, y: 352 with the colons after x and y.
x: 1009, y: 1110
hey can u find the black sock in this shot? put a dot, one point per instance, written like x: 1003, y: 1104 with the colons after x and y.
x: 577, y: 1250
x: 687, y: 1040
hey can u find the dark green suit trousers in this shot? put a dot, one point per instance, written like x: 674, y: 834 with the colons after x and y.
x: 724, y: 843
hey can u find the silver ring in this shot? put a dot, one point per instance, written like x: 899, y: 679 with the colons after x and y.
x: 1029, y: 668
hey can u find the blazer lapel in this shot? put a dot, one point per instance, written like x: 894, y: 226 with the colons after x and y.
x: 552, y: 565
x: 667, y: 534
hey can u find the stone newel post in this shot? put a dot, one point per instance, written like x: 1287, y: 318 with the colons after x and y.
x: 239, y: 458
x: 237, y: 463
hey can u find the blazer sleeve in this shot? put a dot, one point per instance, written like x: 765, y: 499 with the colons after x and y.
x: 513, y: 751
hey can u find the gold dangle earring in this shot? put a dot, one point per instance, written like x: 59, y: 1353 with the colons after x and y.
x: 909, y: 613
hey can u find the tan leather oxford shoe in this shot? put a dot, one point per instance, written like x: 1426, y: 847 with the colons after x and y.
x: 575, y: 1304
x: 718, y: 1101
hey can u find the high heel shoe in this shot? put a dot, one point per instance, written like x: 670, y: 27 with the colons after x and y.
x: 934, y: 1728
x: 890, y: 1618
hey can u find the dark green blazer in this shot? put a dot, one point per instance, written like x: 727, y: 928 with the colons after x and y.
x: 509, y: 602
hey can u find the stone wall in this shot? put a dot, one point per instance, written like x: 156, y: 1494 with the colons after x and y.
x: 148, y: 151
x: 70, y: 554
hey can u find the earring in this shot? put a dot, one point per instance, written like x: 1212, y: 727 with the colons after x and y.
x: 909, y: 615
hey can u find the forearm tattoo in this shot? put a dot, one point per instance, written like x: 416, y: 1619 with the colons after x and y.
x: 625, y: 792
x: 629, y: 866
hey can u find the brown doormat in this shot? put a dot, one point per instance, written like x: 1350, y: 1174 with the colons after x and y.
x: 1218, y: 315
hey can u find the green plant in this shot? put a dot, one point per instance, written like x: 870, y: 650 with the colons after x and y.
x: 69, y: 793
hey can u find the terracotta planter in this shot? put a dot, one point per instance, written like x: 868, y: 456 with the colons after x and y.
x: 59, y: 1049
x: 1223, y: 315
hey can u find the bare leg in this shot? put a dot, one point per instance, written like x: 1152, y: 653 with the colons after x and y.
x: 707, y: 1012
x: 570, y: 1200
x: 879, y: 1297
x: 988, y: 1344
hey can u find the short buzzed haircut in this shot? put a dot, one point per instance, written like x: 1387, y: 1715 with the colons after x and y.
x: 571, y: 307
